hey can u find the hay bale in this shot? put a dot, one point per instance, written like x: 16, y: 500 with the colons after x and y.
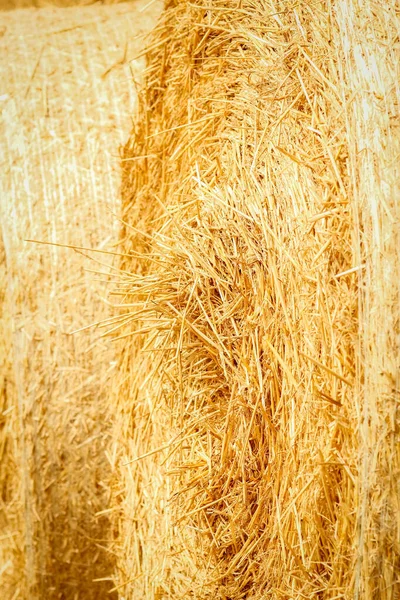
x: 62, y: 122
x: 249, y: 402
x: 17, y: 4
x: 370, y: 70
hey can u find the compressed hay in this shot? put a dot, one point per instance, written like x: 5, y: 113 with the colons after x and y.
x: 12, y: 4
x: 370, y: 71
x: 62, y: 122
x: 10, y: 516
x: 247, y: 317
x: 250, y: 403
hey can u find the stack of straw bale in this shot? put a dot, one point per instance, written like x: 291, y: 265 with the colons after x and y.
x: 258, y: 382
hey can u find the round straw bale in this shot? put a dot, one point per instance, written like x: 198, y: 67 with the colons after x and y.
x: 244, y: 424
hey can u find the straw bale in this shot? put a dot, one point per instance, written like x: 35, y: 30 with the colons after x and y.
x: 254, y: 435
x: 66, y: 102
x: 17, y: 4
x: 370, y: 75
x: 248, y: 355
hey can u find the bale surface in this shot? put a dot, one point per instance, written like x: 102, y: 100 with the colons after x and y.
x: 67, y: 99
x: 11, y: 4
x: 257, y: 433
x: 370, y: 72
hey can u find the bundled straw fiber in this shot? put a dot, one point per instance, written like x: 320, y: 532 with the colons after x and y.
x: 249, y: 400
x: 370, y: 75
x: 62, y: 122
x: 11, y: 4
x: 11, y: 517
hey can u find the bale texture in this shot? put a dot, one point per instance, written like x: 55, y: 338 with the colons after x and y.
x: 66, y: 103
x: 258, y: 379
x: 370, y: 72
